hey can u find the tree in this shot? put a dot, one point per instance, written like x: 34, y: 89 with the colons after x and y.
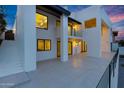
x: 3, y: 23
x: 121, y: 43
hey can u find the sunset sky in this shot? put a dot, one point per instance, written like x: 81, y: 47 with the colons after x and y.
x: 115, y: 12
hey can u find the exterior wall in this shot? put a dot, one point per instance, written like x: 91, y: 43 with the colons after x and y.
x: 107, y: 38
x: 105, y: 17
x: 48, y: 34
x: 105, y: 43
x: 52, y: 33
x: 93, y: 35
x: 20, y: 32
x: 26, y: 36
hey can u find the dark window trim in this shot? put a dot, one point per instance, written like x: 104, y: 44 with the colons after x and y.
x: 44, y: 45
x: 47, y: 21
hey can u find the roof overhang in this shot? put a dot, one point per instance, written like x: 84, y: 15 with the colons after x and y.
x: 53, y: 9
x: 73, y: 20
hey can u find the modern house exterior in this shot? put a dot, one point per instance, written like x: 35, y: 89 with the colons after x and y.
x: 52, y: 32
x: 81, y: 29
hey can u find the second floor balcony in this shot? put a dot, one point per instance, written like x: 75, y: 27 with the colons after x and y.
x: 70, y: 33
x: 75, y: 33
x: 74, y: 28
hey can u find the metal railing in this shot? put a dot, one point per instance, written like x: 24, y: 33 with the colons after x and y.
x: 105, y: 81
x: 114, y: 46
x: 75, y: 33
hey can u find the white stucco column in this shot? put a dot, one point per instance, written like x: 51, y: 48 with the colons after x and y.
x: 26, y: 35
x: 64, y: 38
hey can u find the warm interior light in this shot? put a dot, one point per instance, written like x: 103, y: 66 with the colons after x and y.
x: 90, y: 23
x: 76, y: 43
x: 41, y: 21
x: 76, y: 27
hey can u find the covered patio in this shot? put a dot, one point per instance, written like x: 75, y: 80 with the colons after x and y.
x: 79, y: 71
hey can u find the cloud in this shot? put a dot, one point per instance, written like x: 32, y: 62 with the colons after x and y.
x: 114, y: 9
x: 117, y: 18
x: 116, y: 12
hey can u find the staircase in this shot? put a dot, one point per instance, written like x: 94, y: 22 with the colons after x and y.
x: 10, y: 61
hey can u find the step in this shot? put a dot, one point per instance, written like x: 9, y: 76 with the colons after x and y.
x: 10, y: 67
x: 13, y: 80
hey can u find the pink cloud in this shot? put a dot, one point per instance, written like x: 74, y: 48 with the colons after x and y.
x: 117, y: 18
x: 121, y: 33
x: 120, y: 36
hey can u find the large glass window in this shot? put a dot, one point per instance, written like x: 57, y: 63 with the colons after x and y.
x: 69, y: 30
x: 43, y: 44
x: 40, y: 44
x: 58, y: 24
x: 41, y: 21
x: 69, y: 27
x: 47, y: 45
x: 90, y: 23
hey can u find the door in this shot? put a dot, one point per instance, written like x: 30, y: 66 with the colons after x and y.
x: 83, y: 46
x: 69, y: 48
x: 58, y: 49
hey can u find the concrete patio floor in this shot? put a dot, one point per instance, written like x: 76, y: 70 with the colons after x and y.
x: 79, y: 72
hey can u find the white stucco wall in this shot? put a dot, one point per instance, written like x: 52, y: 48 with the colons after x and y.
x: 52, y: 33
x: 48, y: 34
x: 20, y: 33
x: 107, y: 38
x: 93, y: 35
x: 105, y: 43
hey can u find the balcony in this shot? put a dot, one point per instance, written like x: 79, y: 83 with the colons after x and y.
x: 74, y: 28
x: 81, y: 71
x: 70, y: 33
x: 75, y: 33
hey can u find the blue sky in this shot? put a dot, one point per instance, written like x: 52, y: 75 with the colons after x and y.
x: 10, y: 12
x: 115, y: 12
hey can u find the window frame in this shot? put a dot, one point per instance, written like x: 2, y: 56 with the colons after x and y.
x: 90, y: 26
x: 47, y: 21
x: 44, y: 45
